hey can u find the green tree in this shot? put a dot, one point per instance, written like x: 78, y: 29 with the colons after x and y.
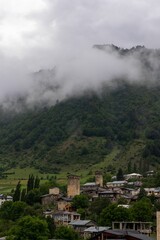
x: 29, y: 228
x: 135, y: 168
x: 106, y: 178
x: 157, y: 179
x: 63, y: 232
x: 120, y: 175
x: 113, y: 213
x: 6, y: 210
x: 129, y: 167
x: 142, y: 193
x: 12, y: 210
x: 51, y: 226
x: 30, y: 183
x: 17, y: 210
x: 23, y: 195
x: 17, y: 193
x: 97, y: 206
x: 142, y: 210
x: 80, y: 201
x: 122, y: 200
x: 37, y: 182
x: 33, y: 196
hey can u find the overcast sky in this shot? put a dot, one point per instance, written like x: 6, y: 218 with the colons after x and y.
x: 47, y: 24
x: 37, y: 34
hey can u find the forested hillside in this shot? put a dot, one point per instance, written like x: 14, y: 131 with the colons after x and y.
x: 85, y: 130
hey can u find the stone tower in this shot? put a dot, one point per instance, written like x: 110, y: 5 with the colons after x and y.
x: 73, y: 186
x: 158, y: 225
x: 99, y: 178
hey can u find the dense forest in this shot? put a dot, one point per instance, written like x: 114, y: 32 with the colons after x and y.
x: 120, y: 119
x: 85, y: 130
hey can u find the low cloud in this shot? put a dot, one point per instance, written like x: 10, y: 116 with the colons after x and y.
x: 87, y: 71
x: 46, y: 49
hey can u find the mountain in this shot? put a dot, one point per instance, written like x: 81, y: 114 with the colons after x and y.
x: 118, y: 126
x: 85, y: 130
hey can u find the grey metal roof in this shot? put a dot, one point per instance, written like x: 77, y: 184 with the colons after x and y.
x: 107, y: 192
x: 96, y: 229
x: 131, y: 233
x: 66, y: 199
x: 90, y: 184
x: 66, y: 213
x: 119, y: 182
x: 139, y: 236
x: 9, y: 197
x: 116, y: 232
x: 80, y: 222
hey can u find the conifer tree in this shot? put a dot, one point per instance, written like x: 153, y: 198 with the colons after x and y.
x: 17, y: 193
x: 120, y: 174
x: 30, y: 183
x: 23, y: 195
x: 37, y: 182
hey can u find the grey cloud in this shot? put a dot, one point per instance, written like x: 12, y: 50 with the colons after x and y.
x: 63, y: 36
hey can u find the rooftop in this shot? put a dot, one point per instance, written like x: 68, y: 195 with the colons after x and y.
x: 90, y: 184
x: 96, y: 229
x: 80, y: 222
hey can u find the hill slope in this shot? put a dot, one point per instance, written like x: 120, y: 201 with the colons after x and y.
x: 121, y: 125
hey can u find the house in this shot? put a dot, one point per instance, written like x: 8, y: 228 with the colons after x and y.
x: 92, y: 232
x: 133, y: 176
x: 152, y: 191
x: 135, y: 184
x: 124, y: 205
x: 48, y: 213
x: 131, y: 191
x: 91, y: 189
x: 116, y: 184
x: 80, y: 225
x: 90, y: 185
x: 54, y: 191
x: 64, y: 204
x: 141, y: 227
x: 121, y: 234
x: 112, y: 195
x: 150, y: 173
x: 9, y: 198
x: 65, y: 217
x: 48, y: 199
x: 4, y: 198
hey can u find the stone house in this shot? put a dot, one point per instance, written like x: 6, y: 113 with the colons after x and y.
x: 116, y: 184
x: 64, y: 204
x: 80, y: 226
x: 65, y: 217
x: 48, y: 199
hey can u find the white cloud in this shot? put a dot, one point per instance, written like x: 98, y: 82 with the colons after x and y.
x: 43, y: 33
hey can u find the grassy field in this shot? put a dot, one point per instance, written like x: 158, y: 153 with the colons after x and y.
x: 18, y: 174
x: 85, y: 172
x: 21, y: 174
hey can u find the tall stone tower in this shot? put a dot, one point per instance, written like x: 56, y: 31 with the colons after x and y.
x: 99, y: 178
x: 158, y: 225
x: 73, y: 186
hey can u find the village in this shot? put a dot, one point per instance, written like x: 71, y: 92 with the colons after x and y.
x: 65, y: 214
x: 59, y: 206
